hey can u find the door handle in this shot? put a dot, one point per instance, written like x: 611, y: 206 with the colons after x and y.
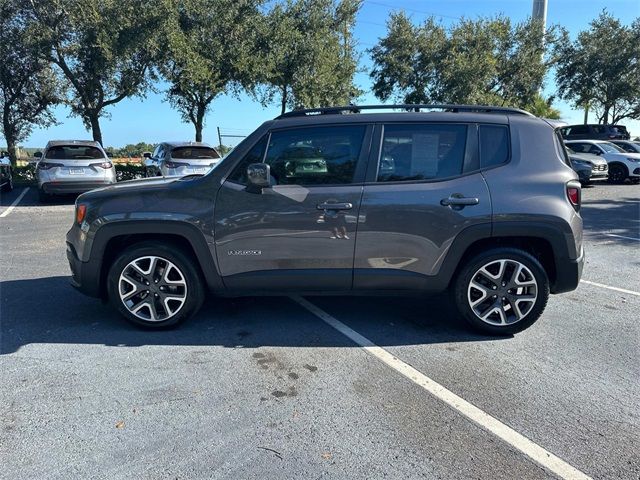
x: 334, y: 206
x: 458, y: 200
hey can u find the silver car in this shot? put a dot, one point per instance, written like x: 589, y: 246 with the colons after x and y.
x: 171, y: 159
x: 72, y: 166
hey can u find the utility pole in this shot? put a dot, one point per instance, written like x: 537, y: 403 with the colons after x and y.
x: 539, y: 13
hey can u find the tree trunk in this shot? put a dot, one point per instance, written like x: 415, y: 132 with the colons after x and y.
x: 12, y: 148
x: 284, y: 100
x: 94, y: 121
x: 199, y: 123
x: 586, y: 114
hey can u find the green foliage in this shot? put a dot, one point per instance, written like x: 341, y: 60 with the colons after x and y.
x: 484, y: 61
x: 601, y: 69
x: 24, y: 175
x: 131, y: 150
x: 223, y: 149
x: 542, y: 108
x: 104, y: 49
x: 209, y: 50
x: 28, y: 87
x: 308, y: 53
x: 129, y: 171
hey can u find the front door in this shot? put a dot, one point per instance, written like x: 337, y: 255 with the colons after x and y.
x: 300, y: 233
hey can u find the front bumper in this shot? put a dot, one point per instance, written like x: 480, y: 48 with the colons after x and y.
x: 74, y: 187
x: 568, y: 274
x: 83, y: 274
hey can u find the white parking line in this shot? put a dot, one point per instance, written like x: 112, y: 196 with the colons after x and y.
x: 621, y: 236
x: 608, y: 287
x: 15, y: 202
x: 534, y: 451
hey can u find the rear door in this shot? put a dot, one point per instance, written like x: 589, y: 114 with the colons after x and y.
x: 423, y: 188
x: 300, y: 233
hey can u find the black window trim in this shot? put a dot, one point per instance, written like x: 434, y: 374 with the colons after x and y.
x: 361, y: 163
x: 471, y: 160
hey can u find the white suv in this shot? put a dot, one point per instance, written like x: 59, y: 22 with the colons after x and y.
x: 622, y: 165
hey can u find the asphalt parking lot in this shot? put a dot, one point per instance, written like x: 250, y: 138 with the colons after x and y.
x: 268, y: 388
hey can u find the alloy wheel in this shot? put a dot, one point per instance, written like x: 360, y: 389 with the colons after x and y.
x: 152, y: 288
x: 502, y: 292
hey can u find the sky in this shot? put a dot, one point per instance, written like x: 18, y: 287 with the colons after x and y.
x: 152, y: 120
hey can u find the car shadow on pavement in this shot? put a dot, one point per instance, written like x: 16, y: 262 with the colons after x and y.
x: 57, y: 314
x: 620, y: 216
x: 31, y: 198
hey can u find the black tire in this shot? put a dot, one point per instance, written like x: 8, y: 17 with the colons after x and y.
x: 43, y: 197
x: 618, y: 173
x: 634, y: 180
x: 467, y: 274
x: 194, y: 283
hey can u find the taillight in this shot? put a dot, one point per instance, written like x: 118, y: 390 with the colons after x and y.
x: 81, y: 211
x: 573, y: 194
x: 47, y: 166
x: 170, y: 164
x: 104, y: 165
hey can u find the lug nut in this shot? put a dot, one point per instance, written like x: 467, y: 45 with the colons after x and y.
x: 494, y: 287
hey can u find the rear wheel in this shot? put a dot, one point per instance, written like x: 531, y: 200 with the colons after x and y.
x: 502, y: 291
x: 154, y: 285
x: 617, y: 173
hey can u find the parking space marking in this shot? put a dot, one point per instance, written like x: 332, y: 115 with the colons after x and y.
x: 531, y: 449
x: 621, y: 236
x: 609, y: 287
x: 15, y: 202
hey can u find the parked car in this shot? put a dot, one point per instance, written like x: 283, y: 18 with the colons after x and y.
x: 6, y: 173
x: 171, y: 159
x: 451, y: 212
x: 627, y: 145
x: 594, y: 132
x: 583, y: 169
x: 72, y: 166
x: 622, y: 165
x: 598, y: 165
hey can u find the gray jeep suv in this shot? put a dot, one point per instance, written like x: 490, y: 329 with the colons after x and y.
x: 477, y: 201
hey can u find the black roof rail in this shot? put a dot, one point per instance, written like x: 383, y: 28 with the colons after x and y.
x: 408, y: 107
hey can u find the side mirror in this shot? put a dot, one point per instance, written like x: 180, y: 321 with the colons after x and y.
x: 146, y: 154
x: 38, y: 154
x: 258, y: 177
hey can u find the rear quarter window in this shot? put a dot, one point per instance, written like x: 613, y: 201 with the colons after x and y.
x: 494, y: 145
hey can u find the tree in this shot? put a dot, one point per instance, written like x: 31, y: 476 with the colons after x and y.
x: 105, y: 49
x: 28, y: 88
x: 484, y: 61
x: 309, y: 54
x: 601, y: 69
x: 210, y: 46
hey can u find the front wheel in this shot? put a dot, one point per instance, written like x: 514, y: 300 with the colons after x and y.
x: 617, y: 173
x: 154, y: 285
x: 502, y: 291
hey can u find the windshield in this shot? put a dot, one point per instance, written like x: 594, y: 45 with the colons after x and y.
x: 194, y: 153
x: 610, y: 147
x: 74, y: 152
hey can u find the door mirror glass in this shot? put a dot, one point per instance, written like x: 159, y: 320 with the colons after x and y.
x: 258, y: 177
x: 38, y: 154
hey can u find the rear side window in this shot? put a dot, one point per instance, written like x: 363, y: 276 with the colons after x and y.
x: 194, y: 153
x: 494, y: 145
x: 315, y: 156
x: 421, y: 152
x: 74, y: 152
x: 578, y: 129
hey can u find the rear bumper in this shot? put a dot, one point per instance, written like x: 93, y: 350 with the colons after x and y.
x: 568, y: 274
x: 83, y: 274
x: 74, y: 187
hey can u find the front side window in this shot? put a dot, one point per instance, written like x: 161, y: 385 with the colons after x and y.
x: 255, y: 155
x: 74, y: 152
x: 315, y: 156
x: 610, y: 147
x: 422, y: 152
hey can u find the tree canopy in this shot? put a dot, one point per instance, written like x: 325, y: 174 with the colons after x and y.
x: 104, y: 49
x: 484, y: 61
x: 28, y: 88
x: 308, y: 54
x: 601, y: 69
x: 210, y: 49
